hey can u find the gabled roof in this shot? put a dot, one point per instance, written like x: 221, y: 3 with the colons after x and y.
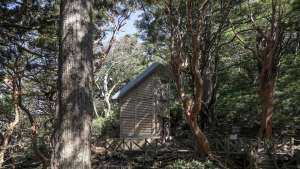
x: 131, y: 84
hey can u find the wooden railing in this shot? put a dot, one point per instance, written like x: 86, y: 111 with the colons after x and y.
x: 221, y: 146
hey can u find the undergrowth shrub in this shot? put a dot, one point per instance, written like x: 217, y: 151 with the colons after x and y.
x: 194, y: 164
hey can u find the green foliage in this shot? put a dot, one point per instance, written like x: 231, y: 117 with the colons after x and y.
x: 106, y: 126
x: 123, y: 61
x: 5, y: 104
x: 119, y: 156
x: 181, y: 164
x: 33, y: 27
x: 237, y: 97
x: 287, y: 92
x: 296, y: 5
x: 240, y: 66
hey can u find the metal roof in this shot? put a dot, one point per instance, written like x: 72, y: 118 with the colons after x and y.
x: 131, y: 84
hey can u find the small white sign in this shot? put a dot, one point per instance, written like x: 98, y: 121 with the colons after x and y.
x: 233, y: 137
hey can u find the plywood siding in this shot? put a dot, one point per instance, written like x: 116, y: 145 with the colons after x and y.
x: 137, y: 116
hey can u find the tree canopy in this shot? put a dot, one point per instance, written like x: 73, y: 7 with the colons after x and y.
x: 227, y: 64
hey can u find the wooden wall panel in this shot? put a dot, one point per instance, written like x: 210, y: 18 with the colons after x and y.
x: 141, y: 111
x: 138, y: 112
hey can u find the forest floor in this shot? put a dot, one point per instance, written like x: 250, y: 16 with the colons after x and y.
x: 163, y: 155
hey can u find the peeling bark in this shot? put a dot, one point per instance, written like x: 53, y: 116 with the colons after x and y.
x: 265, y: 93
x: 191, y: 117
x: 183, y: 62
x: 270, y: 51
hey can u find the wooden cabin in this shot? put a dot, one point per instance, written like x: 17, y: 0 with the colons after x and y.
x: 143, y: 105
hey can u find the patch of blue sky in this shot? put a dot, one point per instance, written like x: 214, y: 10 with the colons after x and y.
x: 128, y: 29
x: 12, y: 5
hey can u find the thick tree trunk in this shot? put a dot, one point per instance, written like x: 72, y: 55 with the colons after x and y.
x: 270, y: 51
x: 191, y: 116
x: 266, y: 87
x: 192, y: 106
x: 75, y: 106
x: 265, y: 93
x: 197, y: 101
x: 200, y: 137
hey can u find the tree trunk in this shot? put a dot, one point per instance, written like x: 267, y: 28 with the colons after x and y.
x: 11, y: 126
x: 201, y: 140
x: 272, y: 46
x: 75, y: 76
x: 34, y: 135
x: 191, y: 117
x: 265, y: 94
x: 192, y: 103
x: 108, y: 92
x: 265, y: 91
x: 209, y: 83
x: 106, y: 95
